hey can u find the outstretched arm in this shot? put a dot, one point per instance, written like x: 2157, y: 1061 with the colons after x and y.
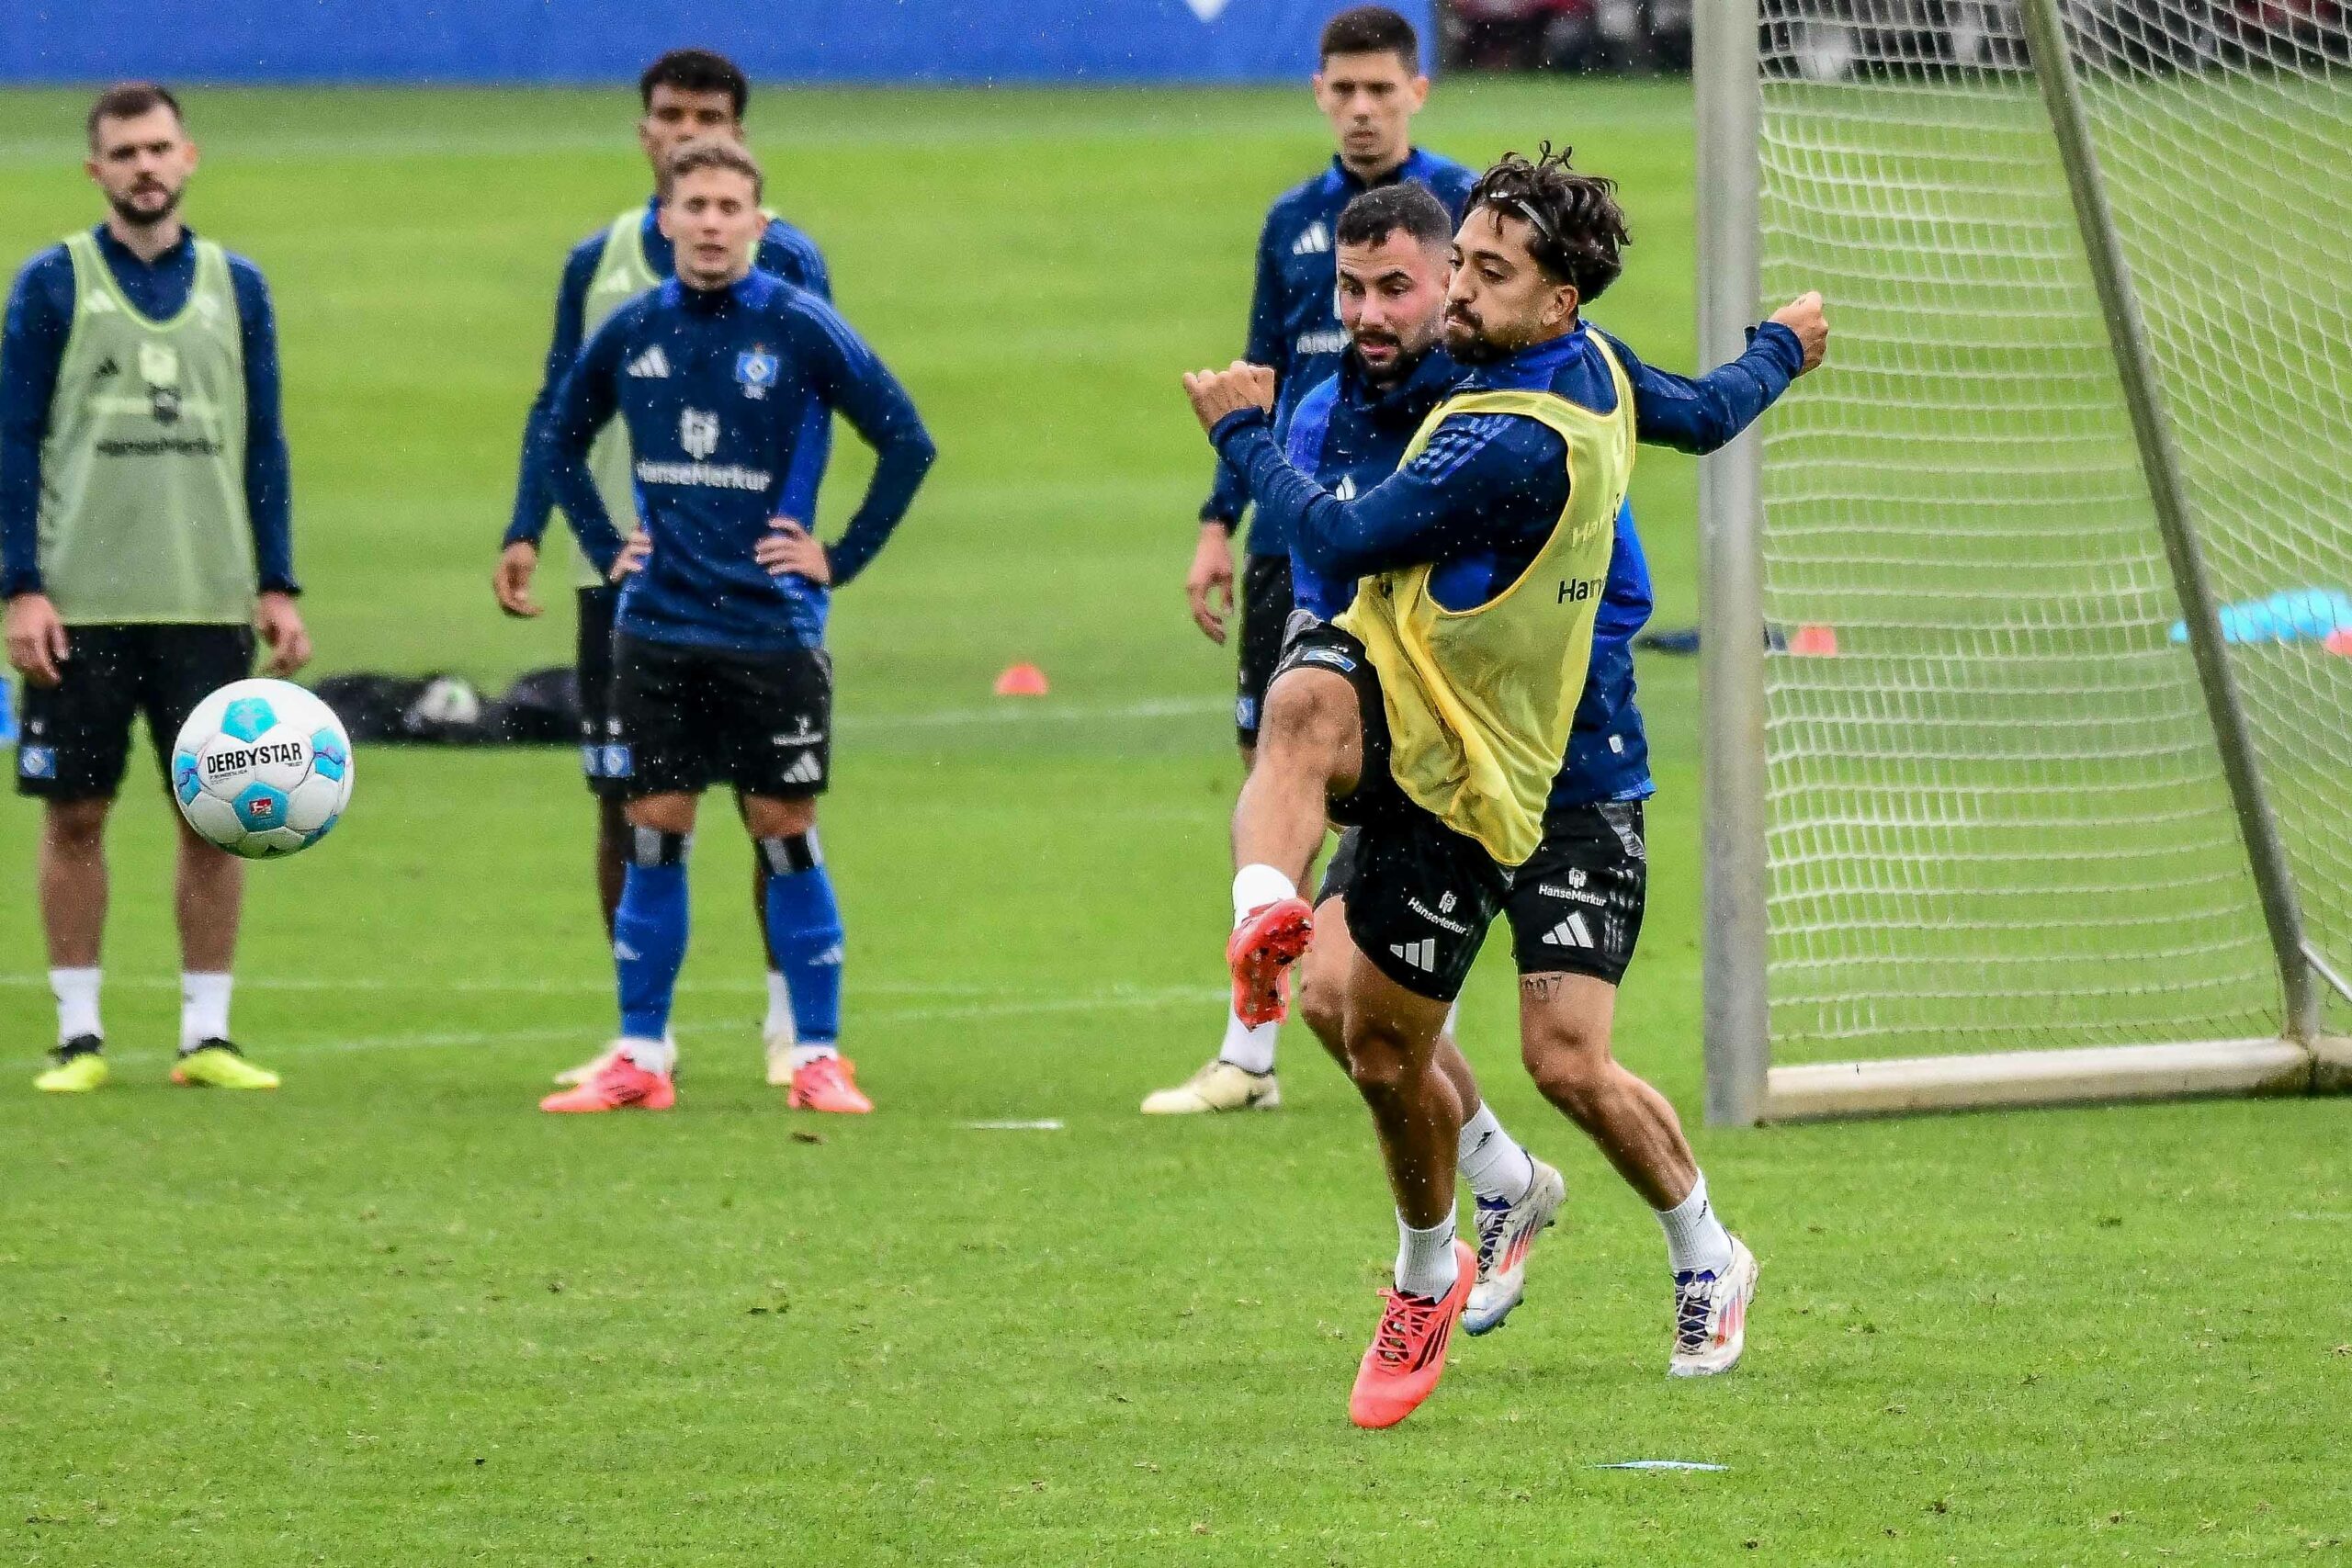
x: 1703, y: 414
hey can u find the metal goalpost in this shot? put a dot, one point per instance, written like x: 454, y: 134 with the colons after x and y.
x: 1981, y: 828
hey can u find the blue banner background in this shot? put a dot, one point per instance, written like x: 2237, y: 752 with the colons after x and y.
x: 608, y: 40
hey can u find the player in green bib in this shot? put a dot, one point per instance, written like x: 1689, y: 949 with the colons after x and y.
x: 144, y: 539
x: 687, y: 93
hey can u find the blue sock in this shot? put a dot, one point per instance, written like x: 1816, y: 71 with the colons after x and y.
x: 650, y: 946
x: 804, y: 936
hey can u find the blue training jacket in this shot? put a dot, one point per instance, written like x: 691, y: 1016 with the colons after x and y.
x: 1480, y: 499
x: 1294, y: 319
x: 783, y: 250
x: 717, y: 390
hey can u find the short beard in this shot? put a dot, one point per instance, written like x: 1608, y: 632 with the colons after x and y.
x: 1476, y: 350
x: 137, y: 218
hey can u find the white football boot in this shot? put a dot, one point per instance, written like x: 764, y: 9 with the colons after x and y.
x: 1220, y: 1086
x: 1711, y: 1316
x: 1507, y: 1233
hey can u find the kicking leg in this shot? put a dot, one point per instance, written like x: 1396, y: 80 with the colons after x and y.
x: 1310, y: 751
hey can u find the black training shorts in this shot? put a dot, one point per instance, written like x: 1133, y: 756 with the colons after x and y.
x: 1265, y: 610
x: 77, y: 740
x: 601, y: 751
x: 1420, y: 896
x: 1575, y: 907
x: 692, y: 717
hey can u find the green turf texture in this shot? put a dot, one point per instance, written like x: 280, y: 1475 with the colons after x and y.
x: 392, y: 1315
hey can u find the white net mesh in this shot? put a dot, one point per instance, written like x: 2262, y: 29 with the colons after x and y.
x: 1998, y: 817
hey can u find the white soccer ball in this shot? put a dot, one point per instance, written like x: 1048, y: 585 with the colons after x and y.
x: 262, y: 769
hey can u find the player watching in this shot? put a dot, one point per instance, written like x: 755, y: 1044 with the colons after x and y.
x: 1575, y: 907
x: 1368, y: 85
x: 144, y: 537
x: 720, y: 672
x: 686, y: 93
x: 1465, y: 676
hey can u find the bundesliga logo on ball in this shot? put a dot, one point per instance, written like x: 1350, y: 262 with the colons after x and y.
x: 262, y: 769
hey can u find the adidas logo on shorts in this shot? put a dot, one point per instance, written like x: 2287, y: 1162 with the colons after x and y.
x: 1570, y: 932
x: 1421, y: 955
x: 806, y: 771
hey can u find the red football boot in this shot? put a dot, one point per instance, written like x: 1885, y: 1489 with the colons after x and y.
x: 1269, y: 940
x: 1408, y: 1353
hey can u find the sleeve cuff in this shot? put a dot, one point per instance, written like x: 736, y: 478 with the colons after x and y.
x: 1792, y: 350
x: 285, y: 585
x: 16, y: 584
x: 1236, y: 423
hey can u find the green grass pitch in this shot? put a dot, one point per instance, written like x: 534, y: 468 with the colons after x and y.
x: 392, y: 1315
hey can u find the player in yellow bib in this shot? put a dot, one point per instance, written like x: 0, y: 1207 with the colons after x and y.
x: 1482, y: 563
x: 687, y: 93
x: 144, y: 540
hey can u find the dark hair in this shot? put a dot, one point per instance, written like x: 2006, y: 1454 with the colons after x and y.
x: 696, y: 71
x: 1577, y: 230
x: 713, y: 152
x: 1407, y: 205
x: 1371, y: 30
x: 128, y: 100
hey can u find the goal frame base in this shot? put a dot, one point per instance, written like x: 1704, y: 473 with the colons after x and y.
x: 2002, y: 1080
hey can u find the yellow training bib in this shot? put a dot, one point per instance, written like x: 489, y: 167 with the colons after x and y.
x: 1479, y: 701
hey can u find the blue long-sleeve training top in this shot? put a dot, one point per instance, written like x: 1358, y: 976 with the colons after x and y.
x: 1293, y: 318
x: 1480, y: 499
x: 714, y: 419
x: 32, y: 347
x: 783, y: 250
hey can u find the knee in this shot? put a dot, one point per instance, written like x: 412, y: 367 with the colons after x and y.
x: 672, y: 814
x: 1307, y: 708
x: 78, y: 826
x: 1571, y: 1067
x: 1375, y: 1063
x: 1320, y: 1006
x: 767, y: 817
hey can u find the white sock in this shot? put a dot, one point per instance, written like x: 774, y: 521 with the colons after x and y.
x: 77, y: 1002
x: 1251, y: 1049
x: 804, y: 1054
x: 1255, y: 886
x: 1425, y: 1261
x: 1491, y: 1161
x: 204, y: 1008
x: 654, y: 1055
x: 779, y: 1019
x: 1696, y: 1241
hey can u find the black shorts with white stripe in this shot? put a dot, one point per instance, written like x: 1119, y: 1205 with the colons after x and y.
x: 692, y: 717
x: 1575, y: 907
x: 1420, y: 897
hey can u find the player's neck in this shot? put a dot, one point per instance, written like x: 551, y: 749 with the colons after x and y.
x: 713, y: 287
x: 146, y: 241
x: 1374, y: 170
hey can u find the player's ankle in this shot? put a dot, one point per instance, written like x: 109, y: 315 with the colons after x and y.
x: 1258, y: 885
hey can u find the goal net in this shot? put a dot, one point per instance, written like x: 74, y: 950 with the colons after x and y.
x: 1997, y: 817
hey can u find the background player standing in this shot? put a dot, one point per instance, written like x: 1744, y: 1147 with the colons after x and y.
x: 1368, y: 85
x: 145, y: 536
x: 686, y: 93
x: 720, y: 671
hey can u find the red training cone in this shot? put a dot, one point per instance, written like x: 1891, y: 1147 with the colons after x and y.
x: 1814, y: 640
x: 1021, y: 680
x: 2339, y: 641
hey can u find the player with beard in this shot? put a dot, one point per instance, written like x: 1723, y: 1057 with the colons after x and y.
x: 1466, y: 649
x: 1368, y: 85
x: 145, y: 536
x: 686, y: 94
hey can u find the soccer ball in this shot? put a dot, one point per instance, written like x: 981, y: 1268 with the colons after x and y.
x: 262, y: 767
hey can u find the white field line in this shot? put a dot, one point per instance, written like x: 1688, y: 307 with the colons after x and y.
x: 587, y: 1038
